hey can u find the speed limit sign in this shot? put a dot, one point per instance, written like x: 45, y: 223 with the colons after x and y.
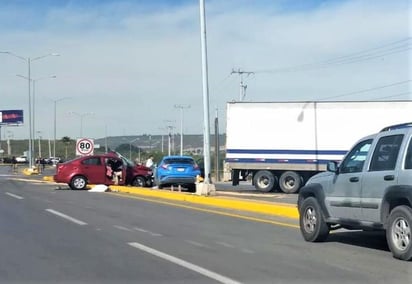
x: 84, y: 147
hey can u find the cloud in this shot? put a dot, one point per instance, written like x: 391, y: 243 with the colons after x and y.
x: 130, y: 63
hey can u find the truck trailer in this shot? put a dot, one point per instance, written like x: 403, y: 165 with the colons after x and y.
x: 280, y: 145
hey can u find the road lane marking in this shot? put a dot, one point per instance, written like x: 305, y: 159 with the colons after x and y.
x: 208, y: 273
x: 225, y: 244
x: 148, y: 232
x: 14, y: 195
x: 64, y: 216
x: 197, y: 244
x: 122, y: 228
x: 261, y: 220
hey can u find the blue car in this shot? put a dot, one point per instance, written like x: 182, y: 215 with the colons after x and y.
x: 177, y: 170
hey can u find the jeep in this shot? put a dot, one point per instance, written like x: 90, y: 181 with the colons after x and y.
x: 370, y: 189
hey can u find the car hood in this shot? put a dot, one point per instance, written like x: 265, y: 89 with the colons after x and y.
x: 320, y: 177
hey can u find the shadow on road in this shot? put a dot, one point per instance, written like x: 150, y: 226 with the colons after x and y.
x: 367, y: 239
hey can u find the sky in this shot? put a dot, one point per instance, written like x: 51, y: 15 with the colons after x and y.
x: 124, y: 65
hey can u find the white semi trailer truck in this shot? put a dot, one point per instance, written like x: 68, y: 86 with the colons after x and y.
x: 282, y: 144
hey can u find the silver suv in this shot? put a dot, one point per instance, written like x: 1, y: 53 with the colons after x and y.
x: 370, y: 189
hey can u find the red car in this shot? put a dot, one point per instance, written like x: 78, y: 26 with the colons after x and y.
x: 108, y: 169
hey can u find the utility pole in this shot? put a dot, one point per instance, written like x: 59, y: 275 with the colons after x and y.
x: 243, y: 86
x: 181, y: 107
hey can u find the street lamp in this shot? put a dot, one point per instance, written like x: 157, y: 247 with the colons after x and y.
x: 29, y: 60
x: 181, y: 125
x: 130, y: 148
x: 34, y: 101
x: 81, y: 115
x: 39, y: 132
x: 55, y: 123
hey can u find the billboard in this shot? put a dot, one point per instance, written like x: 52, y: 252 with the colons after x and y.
x: 11, y: 117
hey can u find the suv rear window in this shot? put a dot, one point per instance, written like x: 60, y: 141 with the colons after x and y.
x: 408, y: 160
x: 386, y: 152
x: 179, y: 161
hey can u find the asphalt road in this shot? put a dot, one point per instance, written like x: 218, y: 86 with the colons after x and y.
x: 50, y: 236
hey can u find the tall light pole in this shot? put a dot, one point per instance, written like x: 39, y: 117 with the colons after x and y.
x: 34, y: 101
x: 29, y: 60
x: 39, y: 132
x: 181, y: 107
x: 81, y: 115
x: 130, y: 148
x: 205, y: 84
x: 55, y: 124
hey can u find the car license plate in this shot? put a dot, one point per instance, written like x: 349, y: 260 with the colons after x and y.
x: 180, y: 169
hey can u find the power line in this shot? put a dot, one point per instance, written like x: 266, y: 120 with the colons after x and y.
x: 367, y: 54
x: 367, y: 90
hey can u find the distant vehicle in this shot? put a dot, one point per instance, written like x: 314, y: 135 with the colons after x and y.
x: 53, y: 160
x: 177, y: 170
x: 22, y: 160
x: 95, y: 169
x: 371, y: 189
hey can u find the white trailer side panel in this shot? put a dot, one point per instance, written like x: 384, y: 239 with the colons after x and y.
x: 302, y: 135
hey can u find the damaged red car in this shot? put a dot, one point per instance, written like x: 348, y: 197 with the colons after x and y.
x: 108, y: 169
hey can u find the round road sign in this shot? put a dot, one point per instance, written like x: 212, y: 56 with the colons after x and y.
x: 84, y: 147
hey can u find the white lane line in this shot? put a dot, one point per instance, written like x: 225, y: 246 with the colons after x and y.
x: 148, y: 232
x: 188, y: 265
x: 197, y: 244
x: 122, y: 228
x: 141, y: 230
x: 14, y: 195
x: 78, y: 222
x: 225, y: 244
x: 247, y: 251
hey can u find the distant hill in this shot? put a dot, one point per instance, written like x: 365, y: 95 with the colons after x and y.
x: 191, y: 143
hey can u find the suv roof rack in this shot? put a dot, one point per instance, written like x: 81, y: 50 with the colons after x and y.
x: 397, y: 126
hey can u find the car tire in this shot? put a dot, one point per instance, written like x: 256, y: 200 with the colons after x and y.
x: 399, y: 232
x: 139, y: 182
x: 290, y: 182
x: 312, y: 225
x: 191, y: 187
x: 78, y: 183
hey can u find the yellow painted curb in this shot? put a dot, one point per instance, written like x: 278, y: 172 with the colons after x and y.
x: 29, y: 171
x: 48, y: 178
x: 278, y: 209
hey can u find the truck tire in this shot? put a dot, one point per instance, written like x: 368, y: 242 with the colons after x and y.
x: 139, y: 182
x: 312, y: 225
x: 264, y: 181
x: 290, y: 182
x: 399, y: 232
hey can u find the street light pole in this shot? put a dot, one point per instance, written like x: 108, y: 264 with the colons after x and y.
x: 34, y: 102
x: 29, y: 60
x: 181, y: 107
x: 55, y: 124
x: 81, y: 115
x: 130, y: 148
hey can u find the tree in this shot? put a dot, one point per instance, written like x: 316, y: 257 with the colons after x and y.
x: 66, y: 140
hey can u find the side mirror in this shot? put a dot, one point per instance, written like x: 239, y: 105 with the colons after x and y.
x: 332, y: 166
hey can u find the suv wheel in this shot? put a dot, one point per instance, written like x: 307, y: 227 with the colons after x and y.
x: 78, y: 182
x: 399, y: 232
x: 312, y: 225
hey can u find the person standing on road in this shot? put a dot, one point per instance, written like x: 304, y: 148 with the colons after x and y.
x: 149, y: 162
x: 14, y: 164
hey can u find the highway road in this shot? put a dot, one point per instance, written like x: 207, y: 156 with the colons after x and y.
x: 49, y: 236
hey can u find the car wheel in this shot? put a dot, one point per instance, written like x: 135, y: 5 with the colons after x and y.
x: 289, y: 182
x: 191, y: 187
x: 399, y: 232
x: 78, y: 182
x: 139, y: 182
x: 264, y: 181
x: 312, y: 225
